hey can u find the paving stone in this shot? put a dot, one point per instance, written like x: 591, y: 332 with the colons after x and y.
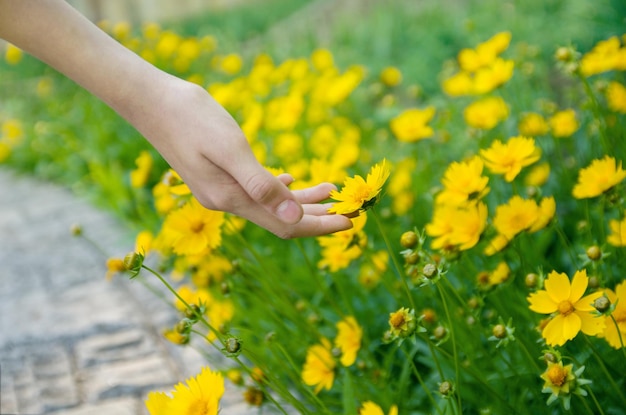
x: 125, y: 406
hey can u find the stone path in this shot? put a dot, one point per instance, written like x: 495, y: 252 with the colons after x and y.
x: 72, y: 342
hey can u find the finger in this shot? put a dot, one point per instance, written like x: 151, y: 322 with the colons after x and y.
x: 317, y: 209
x: 269, y: 192
x: 314, y: 194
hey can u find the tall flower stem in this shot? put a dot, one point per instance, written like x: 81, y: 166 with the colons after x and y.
x: 454, y: 348
x: 431, y: 398
x: 604, y: 369
x: 399, y: 271
x: 619, y: 334
x: 182, y: 300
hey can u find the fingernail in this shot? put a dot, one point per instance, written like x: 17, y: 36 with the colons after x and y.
x: 289, y: 211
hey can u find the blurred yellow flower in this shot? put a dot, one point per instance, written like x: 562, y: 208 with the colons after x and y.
x: 463, y: 182
x: 516, y: 216
x: 411, y: 124
x: 497, y: 244
x: 358, y: 194
x: 508, y: 159
x: 319, y: 367
x: 486, y: 113
x: 370, y: 408
x: 500, y: 274
x: 192, y: 229
x: 114, y: 266
x: 341, y: 248
x: 612, y: 333
x: 605, y: 56
x: 143, y: 242
x: 533, y: 124
x: 537, y: 175
x: 167, y: 44
x: 231, y: 64
x: 468, y: 224
x: 140, y: 175
x: 12, y: 54
x: 12, y: 131
x: 570, y: 311
x: 284, y: 112
x: 348, y: 340
x: 564, y: 123
x: 458, y: 84
x: 5, y: 151
x: 489, y: 78
x: 600, y: 176
x: 390, y: 76
x: 322, y: 59
x: 617, y: 236
x: 616, y: 97
x: 485, y: 53
x: 545, y: 214
x: 198, y: 395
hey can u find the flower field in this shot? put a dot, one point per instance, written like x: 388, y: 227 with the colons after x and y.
x: 484, y: 273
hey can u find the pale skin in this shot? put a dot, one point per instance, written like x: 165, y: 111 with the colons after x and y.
x: 194, y: 133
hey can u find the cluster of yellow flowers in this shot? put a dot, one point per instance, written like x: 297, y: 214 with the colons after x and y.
x: 526, y: 191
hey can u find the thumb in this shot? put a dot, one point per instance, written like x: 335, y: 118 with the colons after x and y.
x: 271, y: 193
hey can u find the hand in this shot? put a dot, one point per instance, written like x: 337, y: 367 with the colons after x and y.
x: 204, y: 144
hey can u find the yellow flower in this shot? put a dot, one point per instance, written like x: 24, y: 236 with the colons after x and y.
x: 500, y: 274
x: 571, y: 312
x: 558, y: 378
x: 411, y: 124
x: 516, y: 216
x: 468, y: 224
x: 605, y: 56
x: 616, y: 97
x: 391, y: 76
x: 192, y: 229
x: 618, y: 232
x: 114, y: 266
x: 12, y: 54
x: 489, y: 78
x: 231, y: 64
x: 508, y: 159
x: 358, y: 194
x: 532, y: 125
x: 458, y: 84
x: 497, y: 244
x: 547, y: 209
x: 463, y: 182
x: 341, y: 248
x: 198, y: 395
x: 139, y: 176
x: 486, y: 113
x: 319, y: 367
x: 612, y: 332
x: 370, y: 408
x: 563, y: 123
x: 599, y: 177
x: 538, y: 175
x: 402, y: 322
x: 348, y: 340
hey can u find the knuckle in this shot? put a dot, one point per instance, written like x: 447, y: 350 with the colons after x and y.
x: 260, y: 188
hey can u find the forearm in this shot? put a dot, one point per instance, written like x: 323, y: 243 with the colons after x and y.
x: 55, y: 33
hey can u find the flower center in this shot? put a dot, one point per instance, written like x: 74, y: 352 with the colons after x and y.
x: 397, y: 320
x: 197, y: 226
x: 362, y: 193
x: 557, y: 375
x: 565, y: 307
x: 199, y: 407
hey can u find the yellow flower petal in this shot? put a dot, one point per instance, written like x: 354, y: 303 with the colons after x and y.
x: 571, y: 325
x: 591, y: 324
x: 553, y: 332
x: 558, y: 286
x: 578, y: 286
x: 541, y: 302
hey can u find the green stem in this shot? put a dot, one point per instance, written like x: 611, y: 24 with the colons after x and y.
x: 409, y: 357
x: 398, y: 269
x: 619, y: 392
x: 182, y: 300
x: 454, y: 348
x: 619, y: 333
x: 595, y: 401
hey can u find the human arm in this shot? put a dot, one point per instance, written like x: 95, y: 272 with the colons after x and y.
x: 195, y: 135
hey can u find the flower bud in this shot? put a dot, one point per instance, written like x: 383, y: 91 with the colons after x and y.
x: 594, y: 253
x: 445, y: 388
x: 602, y: 304
x: 408, y: 240
x: 499, y: 331
x: 531, y: 280
x: 412, y: 258
x: 232, y: 345
x: 429, y: 271
x: 133, y: 263
x: 440, y: 332
x: 76, y: 230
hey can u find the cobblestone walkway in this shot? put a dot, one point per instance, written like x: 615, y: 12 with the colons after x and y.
x: 72, y: 342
